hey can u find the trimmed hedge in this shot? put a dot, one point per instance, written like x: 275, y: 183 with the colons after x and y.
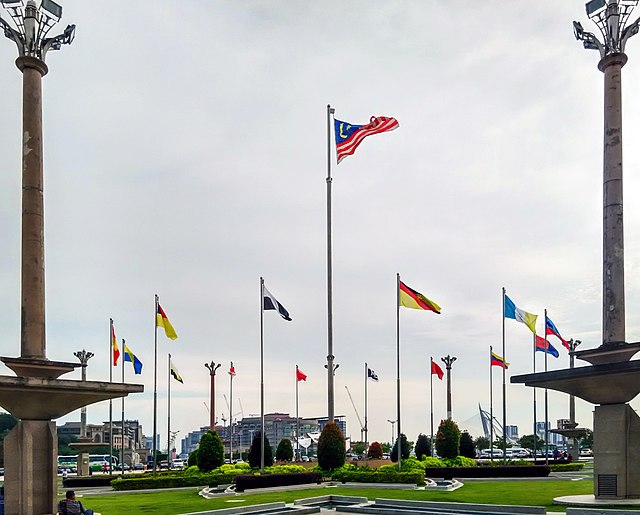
x: 75, y: 482
x: 508, y: 471
x: 353, y: 476
x: 143, y: 483
x: 566, y: 467
x: 249, y: 481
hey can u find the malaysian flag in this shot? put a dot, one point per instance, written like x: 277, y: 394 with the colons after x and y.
x: 349, y: 136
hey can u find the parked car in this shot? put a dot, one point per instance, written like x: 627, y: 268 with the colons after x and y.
x: 495, y: 453
x: 586, y: 452
x: 164, y: 464
x: 138, y: 466
x: 518, y: 452
x: 177, y: 464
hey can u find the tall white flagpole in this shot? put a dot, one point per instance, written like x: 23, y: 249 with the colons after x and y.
x: 535, y: 411
x: 491, y: 401
x: 155, y: 387
x: 330, y: 356
x: 504, y: 382
x: 432, y: 442
x: 398, y: 443
x: 546, y: 397
x: 231, y: 415
x: 111, y: 331
x: 122, y: 435
x: 262, y: 428
x: 297, y: 419
x: 169, y: 411
x: 366, y: 423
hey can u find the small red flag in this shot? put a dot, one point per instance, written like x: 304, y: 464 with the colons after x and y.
x: 300, y: 376
x: 435, y: 369
x: 232, y: 370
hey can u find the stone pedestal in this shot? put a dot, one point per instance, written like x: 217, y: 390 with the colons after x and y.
x: 31, y: 448
x: 616, y: 429
x: 616, y: 446
x: 82, y: 464
x: 31, y: 467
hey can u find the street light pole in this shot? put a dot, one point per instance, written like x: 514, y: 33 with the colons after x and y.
x: 212, y: 412
x: 448, y: 361
x: 84, y: 357
x: 611, y: 19
x: 32, y: 24
x: 393, y: 425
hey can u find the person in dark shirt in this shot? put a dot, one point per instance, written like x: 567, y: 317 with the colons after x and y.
x: 69, y: 505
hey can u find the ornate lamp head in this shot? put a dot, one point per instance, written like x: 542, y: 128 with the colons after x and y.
x: 611, y: 17
x: 31, y: 26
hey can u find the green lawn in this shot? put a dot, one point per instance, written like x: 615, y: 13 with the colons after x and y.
x: 534, y: 493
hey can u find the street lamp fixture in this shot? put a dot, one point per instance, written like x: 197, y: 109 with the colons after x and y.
x: 611, y: 19
x: 31, y: 24
x: 84, y: 357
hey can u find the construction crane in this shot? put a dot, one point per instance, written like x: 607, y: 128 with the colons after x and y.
x: 235, y: 415
x: 357, y: 414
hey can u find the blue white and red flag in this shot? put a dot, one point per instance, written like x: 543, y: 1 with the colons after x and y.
x: 550, y: 328
x: 349, y: 136
x: 543, y: 345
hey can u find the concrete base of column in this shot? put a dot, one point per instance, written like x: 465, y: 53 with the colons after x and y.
x: 616, y: 450
x: 31, y: 468
x: 82, y: 464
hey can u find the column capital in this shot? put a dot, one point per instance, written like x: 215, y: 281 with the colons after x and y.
x: 32, y: 62
x: 618, y: 58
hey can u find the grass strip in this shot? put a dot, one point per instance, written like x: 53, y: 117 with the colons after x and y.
x: 531, y: 493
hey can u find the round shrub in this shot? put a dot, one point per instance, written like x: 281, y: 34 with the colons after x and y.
x: 254, y: 451
x: 375, y: 451
x: 423, y: 446
x: 448, y: 439
x: 331, y: 447
x: 193, y: 459
x: 284, y: 452
x: 467, y: 447
x: 405, y: 447
x: 210, y: 451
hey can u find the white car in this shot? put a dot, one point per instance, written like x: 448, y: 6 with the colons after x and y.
x: 487, y: 453
x: 177, y: 464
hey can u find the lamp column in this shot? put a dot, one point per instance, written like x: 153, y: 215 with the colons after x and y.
x: 212, y: 400
x: 448, y: 361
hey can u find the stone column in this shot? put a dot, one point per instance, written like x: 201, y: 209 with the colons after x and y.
x: 30, y: 482
x: 613, y: 312
x: 32, y: 342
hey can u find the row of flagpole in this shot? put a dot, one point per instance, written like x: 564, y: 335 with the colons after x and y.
x: 347, y: 138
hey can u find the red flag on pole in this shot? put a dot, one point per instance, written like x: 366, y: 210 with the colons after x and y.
x: 300, y: 376
x: 435, y: 369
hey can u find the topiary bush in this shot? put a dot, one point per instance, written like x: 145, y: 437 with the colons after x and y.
x: 285, y: 469
x: 210, y: 452
x: 375, y: 451
x: 405, y: 447
x: 255, y: 454
x: 193, y: 459
x: 423, y: 447
x: 432, y: 462
x: 448, y: 439
x: 467, y: 447
x: 459, y: 461
x: 331, y: 447
x: 284, y: 452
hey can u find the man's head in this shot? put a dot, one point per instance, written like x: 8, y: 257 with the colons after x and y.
x: 71, y: 495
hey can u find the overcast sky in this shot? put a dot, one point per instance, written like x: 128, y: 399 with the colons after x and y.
x: 186, y: 155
